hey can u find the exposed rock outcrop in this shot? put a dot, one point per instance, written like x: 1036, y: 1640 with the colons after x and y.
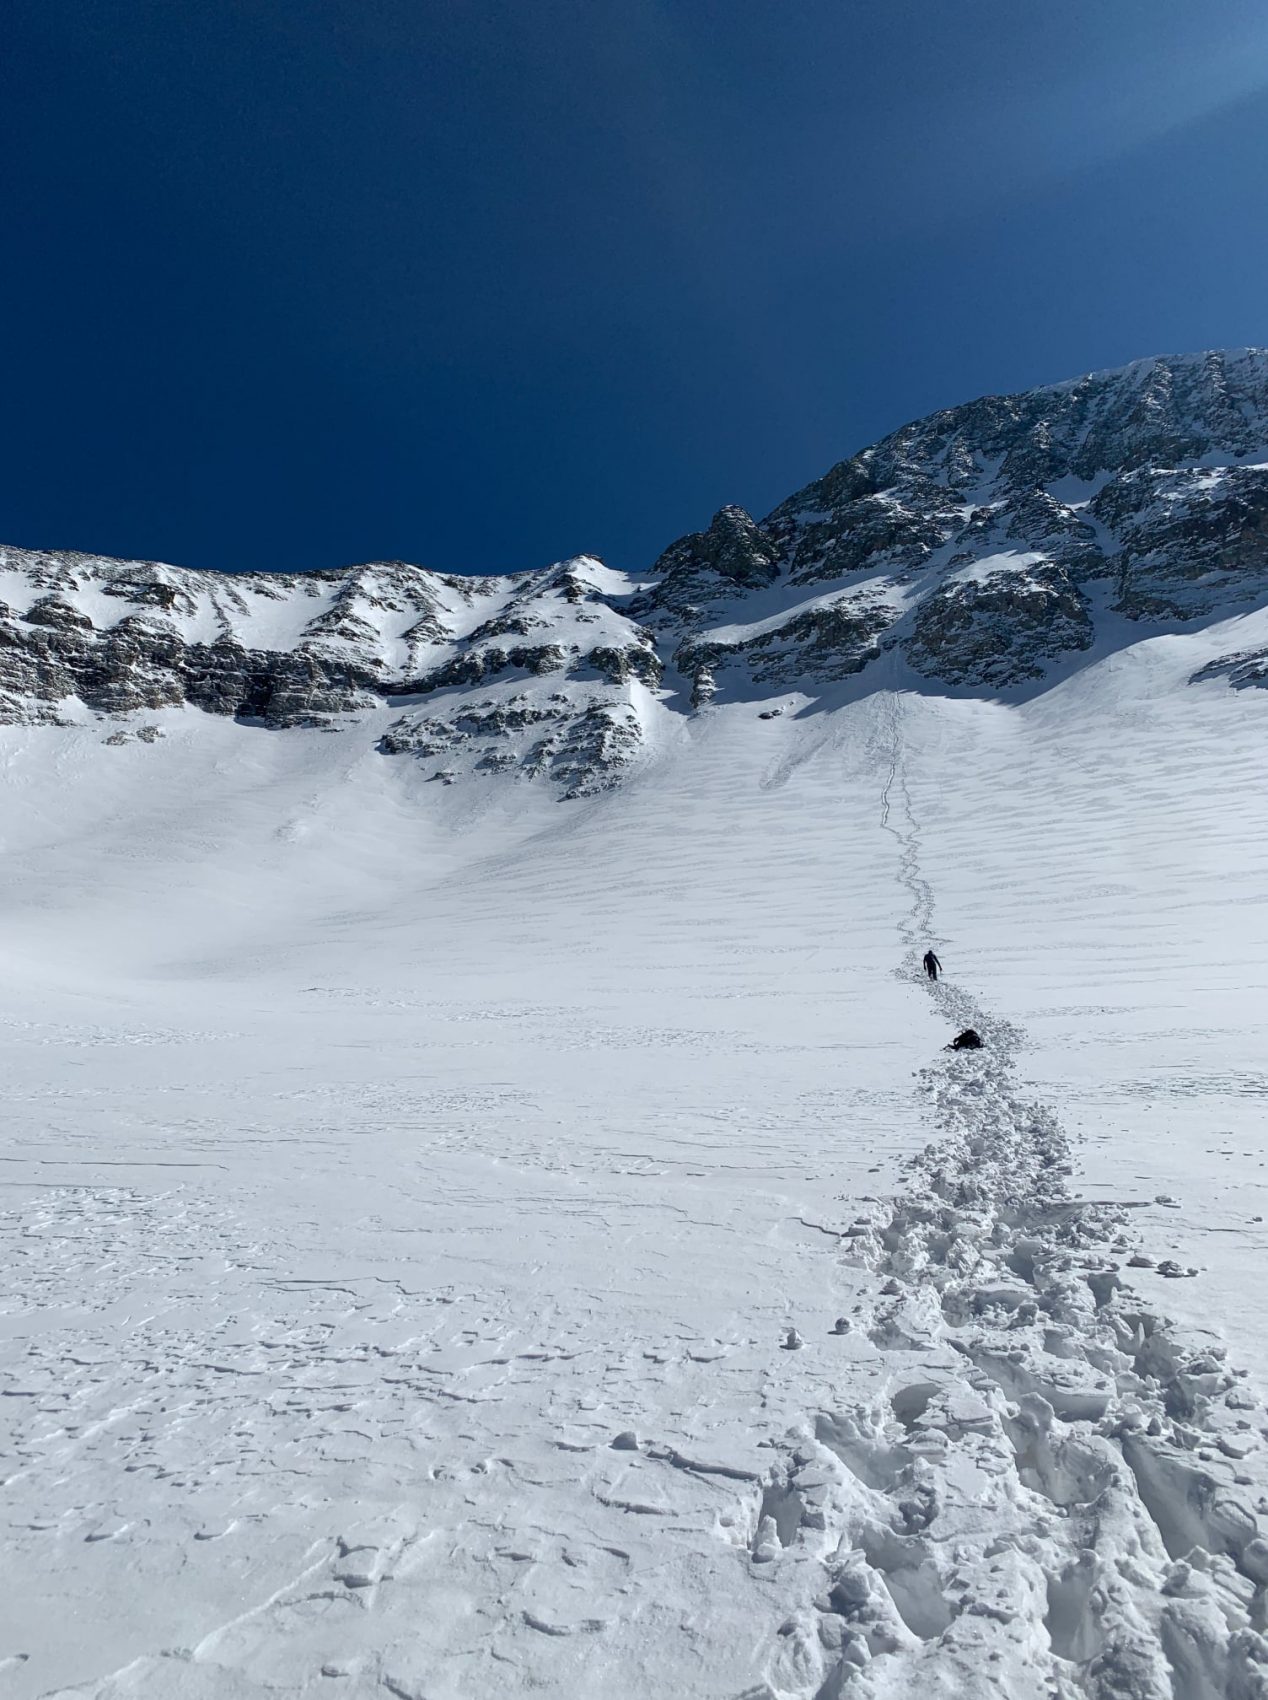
x: 733, y: 555
x: 980, y: 546
x: 1246, y: 667
x: 821, y: 643
x: 1000, y: 629
x: 583, y: 743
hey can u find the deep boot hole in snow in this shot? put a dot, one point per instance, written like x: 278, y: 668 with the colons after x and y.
x: 909, y: 1404
x: 783, y: 1505
x: 911, y: 1577
x: 1073, y: 1625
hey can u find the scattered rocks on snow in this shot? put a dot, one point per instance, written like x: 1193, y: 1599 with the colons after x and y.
x: 139, y: 735
x: 582, y: 742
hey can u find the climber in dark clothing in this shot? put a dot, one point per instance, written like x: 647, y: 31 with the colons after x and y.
x: 931, y: 965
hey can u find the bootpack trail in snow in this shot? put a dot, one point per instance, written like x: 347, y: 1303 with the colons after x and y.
x: 1056, y: 1495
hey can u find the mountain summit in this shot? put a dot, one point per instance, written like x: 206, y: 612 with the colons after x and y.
x: 987, y: 548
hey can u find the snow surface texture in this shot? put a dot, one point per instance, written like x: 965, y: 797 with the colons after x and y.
x: 429, y: 1264
x: 461, y: 1244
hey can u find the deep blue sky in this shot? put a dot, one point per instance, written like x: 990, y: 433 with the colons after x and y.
x: 483, y: 283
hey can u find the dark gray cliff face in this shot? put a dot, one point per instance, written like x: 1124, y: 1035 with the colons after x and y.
x: 708, y: 566
x: 977, y: 542
x: 999, y: 520
x: 1000, y: 629
x: 286, y: 650
x: 1193, y: 540
x: 138, y: 665
x: 815, y: 646
x: 980, y: 547
x: 539, y: 674
x: 1127, y: 476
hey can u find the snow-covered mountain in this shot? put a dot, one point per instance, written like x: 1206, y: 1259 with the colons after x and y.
x: 988, y: 548
x: 458, y: 1245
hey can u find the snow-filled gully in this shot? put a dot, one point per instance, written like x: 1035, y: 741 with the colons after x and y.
x: 1055, y: 1496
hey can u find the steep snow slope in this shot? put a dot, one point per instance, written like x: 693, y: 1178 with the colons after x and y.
x: 489, y: 1236
x: 411, y: 1191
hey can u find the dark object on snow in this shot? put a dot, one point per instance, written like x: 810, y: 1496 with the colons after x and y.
x: 931, y: 965
x: 969, y: 1040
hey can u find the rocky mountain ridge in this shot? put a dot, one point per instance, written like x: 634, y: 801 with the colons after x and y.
x: 982, y: 547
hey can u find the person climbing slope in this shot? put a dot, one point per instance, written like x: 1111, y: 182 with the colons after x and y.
x: 932, y: 966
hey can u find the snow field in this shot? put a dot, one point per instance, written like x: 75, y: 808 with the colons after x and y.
x: 466, y: 1244
x: 505, y: 1162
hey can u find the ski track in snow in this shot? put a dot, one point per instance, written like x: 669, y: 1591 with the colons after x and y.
x: 1015, y: 1480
